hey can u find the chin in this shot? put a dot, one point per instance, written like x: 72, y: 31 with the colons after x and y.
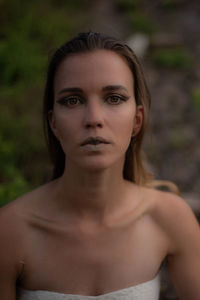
x: 98, y: 164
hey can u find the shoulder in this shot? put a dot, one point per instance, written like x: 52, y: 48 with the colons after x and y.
x: 177, y: 220
x: 15, y: 227
x: 9, y: 221
x: 169, y: 205
x: 12, y: 240
x: 15, y: 215
x: 31, y: 202
x: 11, y: 250
x: 178, y: 223
x: 12, y: 223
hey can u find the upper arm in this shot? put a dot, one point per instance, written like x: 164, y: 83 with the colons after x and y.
x: 9, y: 256
x: 184, y: 251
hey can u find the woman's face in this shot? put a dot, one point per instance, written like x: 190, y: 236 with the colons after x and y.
x: 94, y: 97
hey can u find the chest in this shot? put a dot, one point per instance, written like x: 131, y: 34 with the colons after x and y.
x: 73, y: 260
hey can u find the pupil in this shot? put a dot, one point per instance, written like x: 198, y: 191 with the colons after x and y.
x: 72, y: 101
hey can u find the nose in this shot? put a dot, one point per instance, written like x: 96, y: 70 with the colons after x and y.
x: 93, y: 116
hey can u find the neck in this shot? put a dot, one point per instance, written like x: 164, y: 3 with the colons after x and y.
x: 91, y: 194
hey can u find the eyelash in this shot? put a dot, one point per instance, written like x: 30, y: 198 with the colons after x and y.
x: 65, y: 100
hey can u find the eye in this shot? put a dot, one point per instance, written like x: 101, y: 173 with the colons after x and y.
x: 116, y: 99
x: 70, y: 101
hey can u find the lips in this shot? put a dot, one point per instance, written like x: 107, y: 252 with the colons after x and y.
x: 95, y: 141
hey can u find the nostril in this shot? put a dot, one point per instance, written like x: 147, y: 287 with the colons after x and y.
x: 93, y: 125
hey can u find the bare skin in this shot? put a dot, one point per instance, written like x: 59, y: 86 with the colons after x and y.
x: 70, y: 255
x: 90, y: 231
x: 67, y: 255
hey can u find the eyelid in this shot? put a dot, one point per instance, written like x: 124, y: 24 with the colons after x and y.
x: 69, y: 97
x: 63, y: 100
x: 117, y: 93
x: 122, y: 97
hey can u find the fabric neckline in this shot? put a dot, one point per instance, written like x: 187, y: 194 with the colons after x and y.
x: 137, y: 287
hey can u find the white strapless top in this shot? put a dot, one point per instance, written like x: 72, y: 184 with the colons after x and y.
x: 148, y: 290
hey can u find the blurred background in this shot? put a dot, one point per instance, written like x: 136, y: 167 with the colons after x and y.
x: 165, y: 34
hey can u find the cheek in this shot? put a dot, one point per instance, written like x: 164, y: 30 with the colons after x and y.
x: 65, y: 126
x: 125, y: 121
x: 123, y: 128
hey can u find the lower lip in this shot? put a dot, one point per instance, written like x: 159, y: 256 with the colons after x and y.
x: 96, y: 147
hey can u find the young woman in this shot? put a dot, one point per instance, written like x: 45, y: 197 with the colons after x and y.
x: 96, y: 230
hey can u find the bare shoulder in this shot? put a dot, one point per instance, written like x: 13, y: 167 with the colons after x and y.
x: 11, y: 250
x: 27, y: 203
x: 169, y: 205
x: 180, y: 226
x: 14, y: 216
x: 10, y: 237
x: 175, y: 217
x: 14, y: 233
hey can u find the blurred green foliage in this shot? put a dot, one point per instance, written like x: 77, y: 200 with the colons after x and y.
x: 29, y: 30
x: 177, y: 58
x: 128, y: 5
x: 141, y: 23
x: 177, y: 139
x: 170, y: 4
x: 196, y: 99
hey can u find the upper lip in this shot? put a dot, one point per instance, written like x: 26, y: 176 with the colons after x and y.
x: 94, y: 140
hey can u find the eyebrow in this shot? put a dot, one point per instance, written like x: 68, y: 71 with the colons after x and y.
x: 73, y: 89
x: 105, y: 89
x: 114, y: 88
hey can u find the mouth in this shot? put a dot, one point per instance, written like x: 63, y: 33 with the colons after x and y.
x: 95, y: 141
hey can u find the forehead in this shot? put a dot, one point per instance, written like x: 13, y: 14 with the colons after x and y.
x: 96, y: 67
